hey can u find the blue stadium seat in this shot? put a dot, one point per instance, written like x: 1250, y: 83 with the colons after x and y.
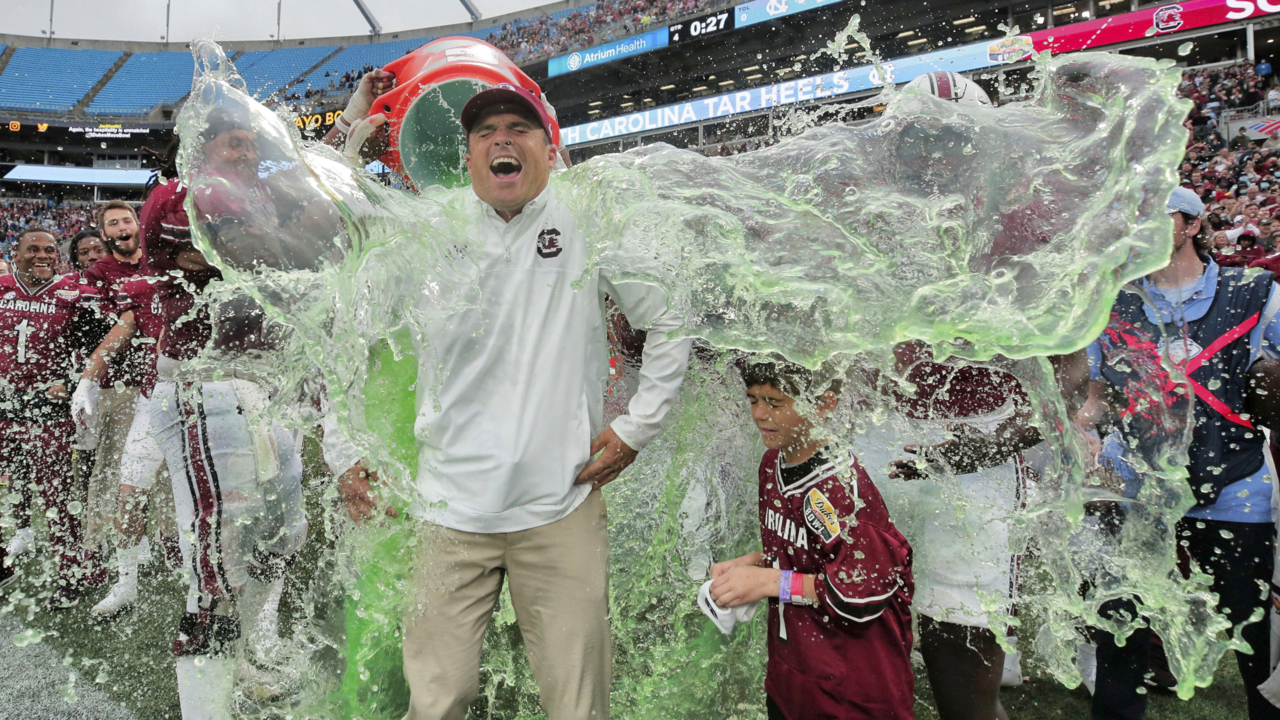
x: 355, y: 57
x: 144, y: 81
x: 248, y: 58
x: 52, y: 79
x: 268, y: 73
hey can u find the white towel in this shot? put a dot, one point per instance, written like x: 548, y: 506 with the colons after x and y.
x: 724, y: 619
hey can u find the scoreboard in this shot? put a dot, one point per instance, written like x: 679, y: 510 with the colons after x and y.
x: 700, y: 27
x: 709, y: 25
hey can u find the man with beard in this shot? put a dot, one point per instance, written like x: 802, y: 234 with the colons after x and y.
x: 115, y: 402
x: 45, y: 320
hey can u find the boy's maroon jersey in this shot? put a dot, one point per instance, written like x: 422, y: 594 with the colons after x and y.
x: 41, y: 332
x: 166, y: 232
x: 134, y: 363
x: 849, y: 657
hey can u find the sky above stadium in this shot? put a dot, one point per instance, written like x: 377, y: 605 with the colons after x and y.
x: 229, y: 20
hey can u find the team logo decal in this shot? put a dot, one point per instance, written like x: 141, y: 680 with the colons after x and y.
x: 1180, y: 350
x: 1167, y: 18
x: 549, y: 243
x: 820, y: 516
x: 1010, y: 49
x: 67, y: 294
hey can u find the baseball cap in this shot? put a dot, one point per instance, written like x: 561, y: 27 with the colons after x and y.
x: 1185, y: 201
x: 509, y: 95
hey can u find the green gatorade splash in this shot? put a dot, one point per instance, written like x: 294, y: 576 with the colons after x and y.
x: 999, y: 235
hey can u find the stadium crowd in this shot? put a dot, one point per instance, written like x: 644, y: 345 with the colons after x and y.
x: 18, y: 215
x: 1217, y: 90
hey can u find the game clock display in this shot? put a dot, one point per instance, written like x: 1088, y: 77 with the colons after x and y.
x: 700, y: 27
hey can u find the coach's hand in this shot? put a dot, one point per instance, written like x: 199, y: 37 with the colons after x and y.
x: 615, y: 456
x: 357, y: 495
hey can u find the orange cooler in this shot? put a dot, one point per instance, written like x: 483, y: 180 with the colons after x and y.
x: 432, y: 84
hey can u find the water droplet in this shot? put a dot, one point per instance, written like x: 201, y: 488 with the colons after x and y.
x: 51, y: 513
x: 1185, y: 48
x: 74, y: 507
x: 1226, y: 534
x: 27, y: 637
x: 104, y: 145
x: 1150, y: 31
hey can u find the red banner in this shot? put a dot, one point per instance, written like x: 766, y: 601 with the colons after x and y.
x: 1148, y: 23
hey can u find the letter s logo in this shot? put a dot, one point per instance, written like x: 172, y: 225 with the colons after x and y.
x: 1239, y: 9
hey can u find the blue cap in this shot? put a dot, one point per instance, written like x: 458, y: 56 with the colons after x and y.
x: 1185, y: 201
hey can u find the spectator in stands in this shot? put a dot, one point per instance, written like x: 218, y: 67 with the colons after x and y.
x: 1240, y: 141
x: 1263, y: 69
x: 1265, y: 239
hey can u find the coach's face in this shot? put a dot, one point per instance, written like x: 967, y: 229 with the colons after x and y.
x: 510, y: 159
x: 37, y: 257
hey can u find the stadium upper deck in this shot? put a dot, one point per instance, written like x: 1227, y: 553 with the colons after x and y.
x: 58, y: 81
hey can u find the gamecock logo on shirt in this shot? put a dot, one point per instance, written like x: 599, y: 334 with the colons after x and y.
x: 1167, y: 18
x: 549, y: 243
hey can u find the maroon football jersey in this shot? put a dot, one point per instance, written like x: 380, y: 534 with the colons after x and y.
x: 166, y: 232
x: 42, y: 331
x: 132, y: 364
x: 140, y: 295
x: 850, y: 656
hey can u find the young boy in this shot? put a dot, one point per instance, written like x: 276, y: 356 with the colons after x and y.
x: 836, y: 571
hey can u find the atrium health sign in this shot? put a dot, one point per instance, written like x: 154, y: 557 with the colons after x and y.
x: 608, y: 52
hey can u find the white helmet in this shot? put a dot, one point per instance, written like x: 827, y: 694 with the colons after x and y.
x: 950, y: 86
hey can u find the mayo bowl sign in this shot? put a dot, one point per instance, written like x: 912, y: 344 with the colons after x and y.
x: 841, y: 82
x: 608, y: 52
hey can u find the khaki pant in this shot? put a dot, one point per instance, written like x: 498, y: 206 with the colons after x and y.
x: 116, y: 406
x: 559, y: 575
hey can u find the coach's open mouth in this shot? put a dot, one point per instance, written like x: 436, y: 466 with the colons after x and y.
x: 505, y: 167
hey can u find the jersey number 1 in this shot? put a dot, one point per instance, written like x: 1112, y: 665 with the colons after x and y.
x: 24, y: 329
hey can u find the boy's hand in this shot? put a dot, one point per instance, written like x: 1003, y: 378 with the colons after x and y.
x: 720, y: 568
x: 742, y: 585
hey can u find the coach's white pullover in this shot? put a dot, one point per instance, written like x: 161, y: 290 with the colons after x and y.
x: 520, y: 390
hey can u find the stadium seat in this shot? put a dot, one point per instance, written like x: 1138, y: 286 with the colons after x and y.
x: 355, y: 57
x: 267, y: 73
x: 144, y: 81
x: 52, y: 79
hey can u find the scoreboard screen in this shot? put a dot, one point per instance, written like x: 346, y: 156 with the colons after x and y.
x: 700, y: 27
